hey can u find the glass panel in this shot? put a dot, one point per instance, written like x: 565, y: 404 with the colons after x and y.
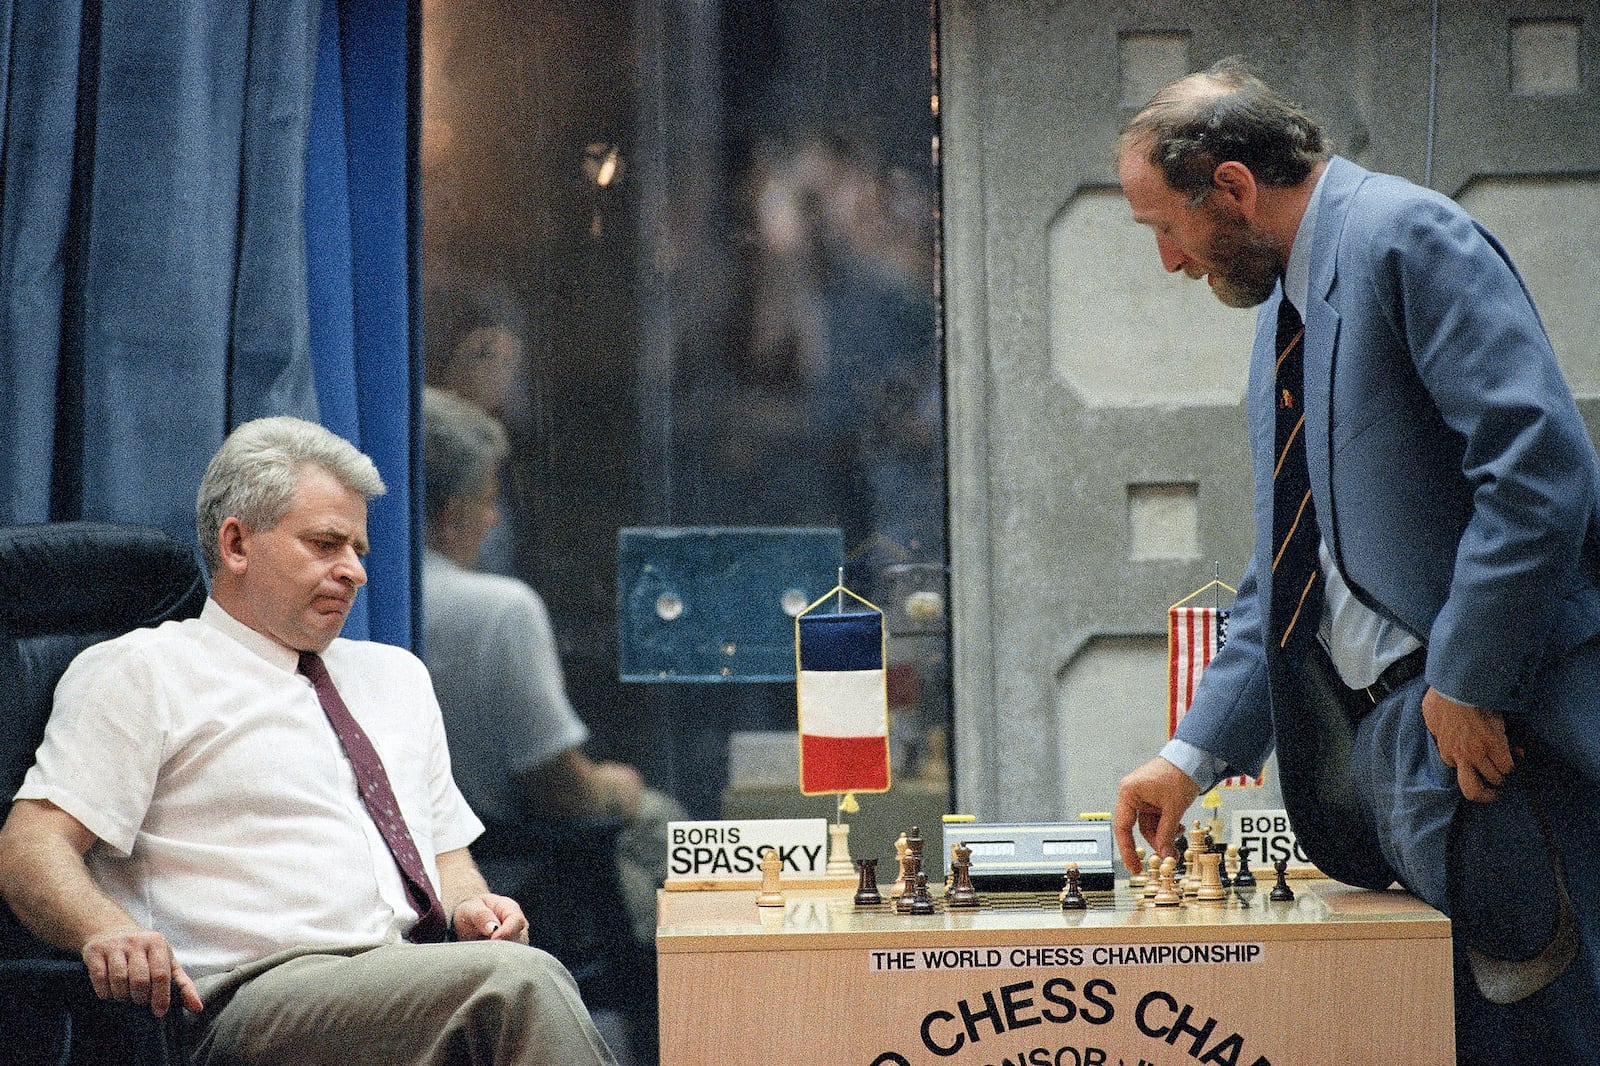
x: 687, y: 252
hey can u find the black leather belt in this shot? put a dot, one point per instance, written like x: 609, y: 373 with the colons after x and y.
x: 1394, y: 675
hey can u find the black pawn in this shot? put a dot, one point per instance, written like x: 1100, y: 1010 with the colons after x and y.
x: 1281, y: 892
x: 921, y: 899
x: 867, y: 883
x: 1181, y: 870
x: 1222, y: 865
x: 1244, y: 878
x: 1072, y: 898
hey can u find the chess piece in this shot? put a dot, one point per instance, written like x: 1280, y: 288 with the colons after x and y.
x: 1167, y: 894
x: 1191, y: 859
x: 1210, y: 881
x: 1137, y: 880
x: 917, y: 899
x: 898, y: 889
x: 1281, y: 892
x: 912, y: 865
x: 839, y: 864
x: 867, y: 883
x: 1072, y: 898
x: 1245, y: 878
x: 961, y: 894
x: 771, y: 864
x: 1178, y: 848
x: 1152, y: 876
x: 1223, y: 851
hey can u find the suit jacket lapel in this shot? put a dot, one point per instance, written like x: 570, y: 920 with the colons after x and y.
x: 1322, y: 331
x: 1322, y: 342
x: 1262, y: 403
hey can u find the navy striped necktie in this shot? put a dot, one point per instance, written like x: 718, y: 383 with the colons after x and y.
x: 373, y: 783
x: 1296, y: 580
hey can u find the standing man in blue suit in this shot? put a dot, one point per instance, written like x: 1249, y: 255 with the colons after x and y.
x: 1440, y: 708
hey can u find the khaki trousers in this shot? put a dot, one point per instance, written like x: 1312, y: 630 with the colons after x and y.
x: 482, y: 1003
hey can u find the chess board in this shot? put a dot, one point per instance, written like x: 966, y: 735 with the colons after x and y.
x: 820, y: 981
x: 1121, y: 900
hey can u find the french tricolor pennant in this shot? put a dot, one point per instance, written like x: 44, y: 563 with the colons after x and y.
x: 843, y: 695
x: 1194, y: 636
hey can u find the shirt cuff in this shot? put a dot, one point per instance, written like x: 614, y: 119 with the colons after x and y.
x: 1206, y: 769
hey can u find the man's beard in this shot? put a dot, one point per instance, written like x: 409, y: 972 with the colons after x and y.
x: 1248, y: 264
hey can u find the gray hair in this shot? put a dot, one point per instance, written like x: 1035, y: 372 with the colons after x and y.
x: 254, y: 475
x: 462, y: 445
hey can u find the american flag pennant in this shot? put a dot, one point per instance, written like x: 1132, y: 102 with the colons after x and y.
x: 1194, y: 636
x: 843, y: 694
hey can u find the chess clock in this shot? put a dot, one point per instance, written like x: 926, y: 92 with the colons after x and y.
x: 1033, y: 856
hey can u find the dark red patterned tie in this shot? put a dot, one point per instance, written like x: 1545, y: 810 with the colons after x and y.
x: 373, y: 784
x: 1296, y: 588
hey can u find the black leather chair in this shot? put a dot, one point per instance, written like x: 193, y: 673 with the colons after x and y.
x: 64, y: 586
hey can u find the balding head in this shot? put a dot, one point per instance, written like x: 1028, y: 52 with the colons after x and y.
x: 1221, y: 114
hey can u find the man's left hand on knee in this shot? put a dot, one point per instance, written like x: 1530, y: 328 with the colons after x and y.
x: 490, y: 917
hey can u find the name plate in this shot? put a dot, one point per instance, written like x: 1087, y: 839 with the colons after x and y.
x: 1270, y: 837
x: 709, y: 854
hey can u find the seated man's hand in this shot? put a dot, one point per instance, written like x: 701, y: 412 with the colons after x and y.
x: 1155, y: 796
x: 137, y: 965
x: 490, y: 917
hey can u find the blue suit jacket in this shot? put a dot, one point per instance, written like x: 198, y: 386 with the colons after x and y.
x: 1453, y: 478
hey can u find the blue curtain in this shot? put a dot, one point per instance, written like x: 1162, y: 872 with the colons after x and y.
x: 362, y: 237
x: 207, y: 214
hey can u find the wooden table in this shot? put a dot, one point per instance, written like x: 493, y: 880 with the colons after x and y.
x: 1339, y: 975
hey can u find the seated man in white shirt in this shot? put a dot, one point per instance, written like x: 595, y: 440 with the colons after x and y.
x: 515, y: 739
x: 192, y: 824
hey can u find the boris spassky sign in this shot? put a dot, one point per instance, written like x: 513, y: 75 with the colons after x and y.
x: 731, y: 850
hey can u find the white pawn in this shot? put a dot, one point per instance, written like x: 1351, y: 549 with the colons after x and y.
x: 771, y: 895
x: 1167, y: 895
x: 898, y: 889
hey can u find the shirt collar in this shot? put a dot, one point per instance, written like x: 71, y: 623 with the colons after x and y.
x: 1297, y: 272
x: 215, y: 615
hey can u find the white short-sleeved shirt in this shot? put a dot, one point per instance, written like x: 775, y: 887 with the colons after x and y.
x: 492, y: 654
x: 226, y: 809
